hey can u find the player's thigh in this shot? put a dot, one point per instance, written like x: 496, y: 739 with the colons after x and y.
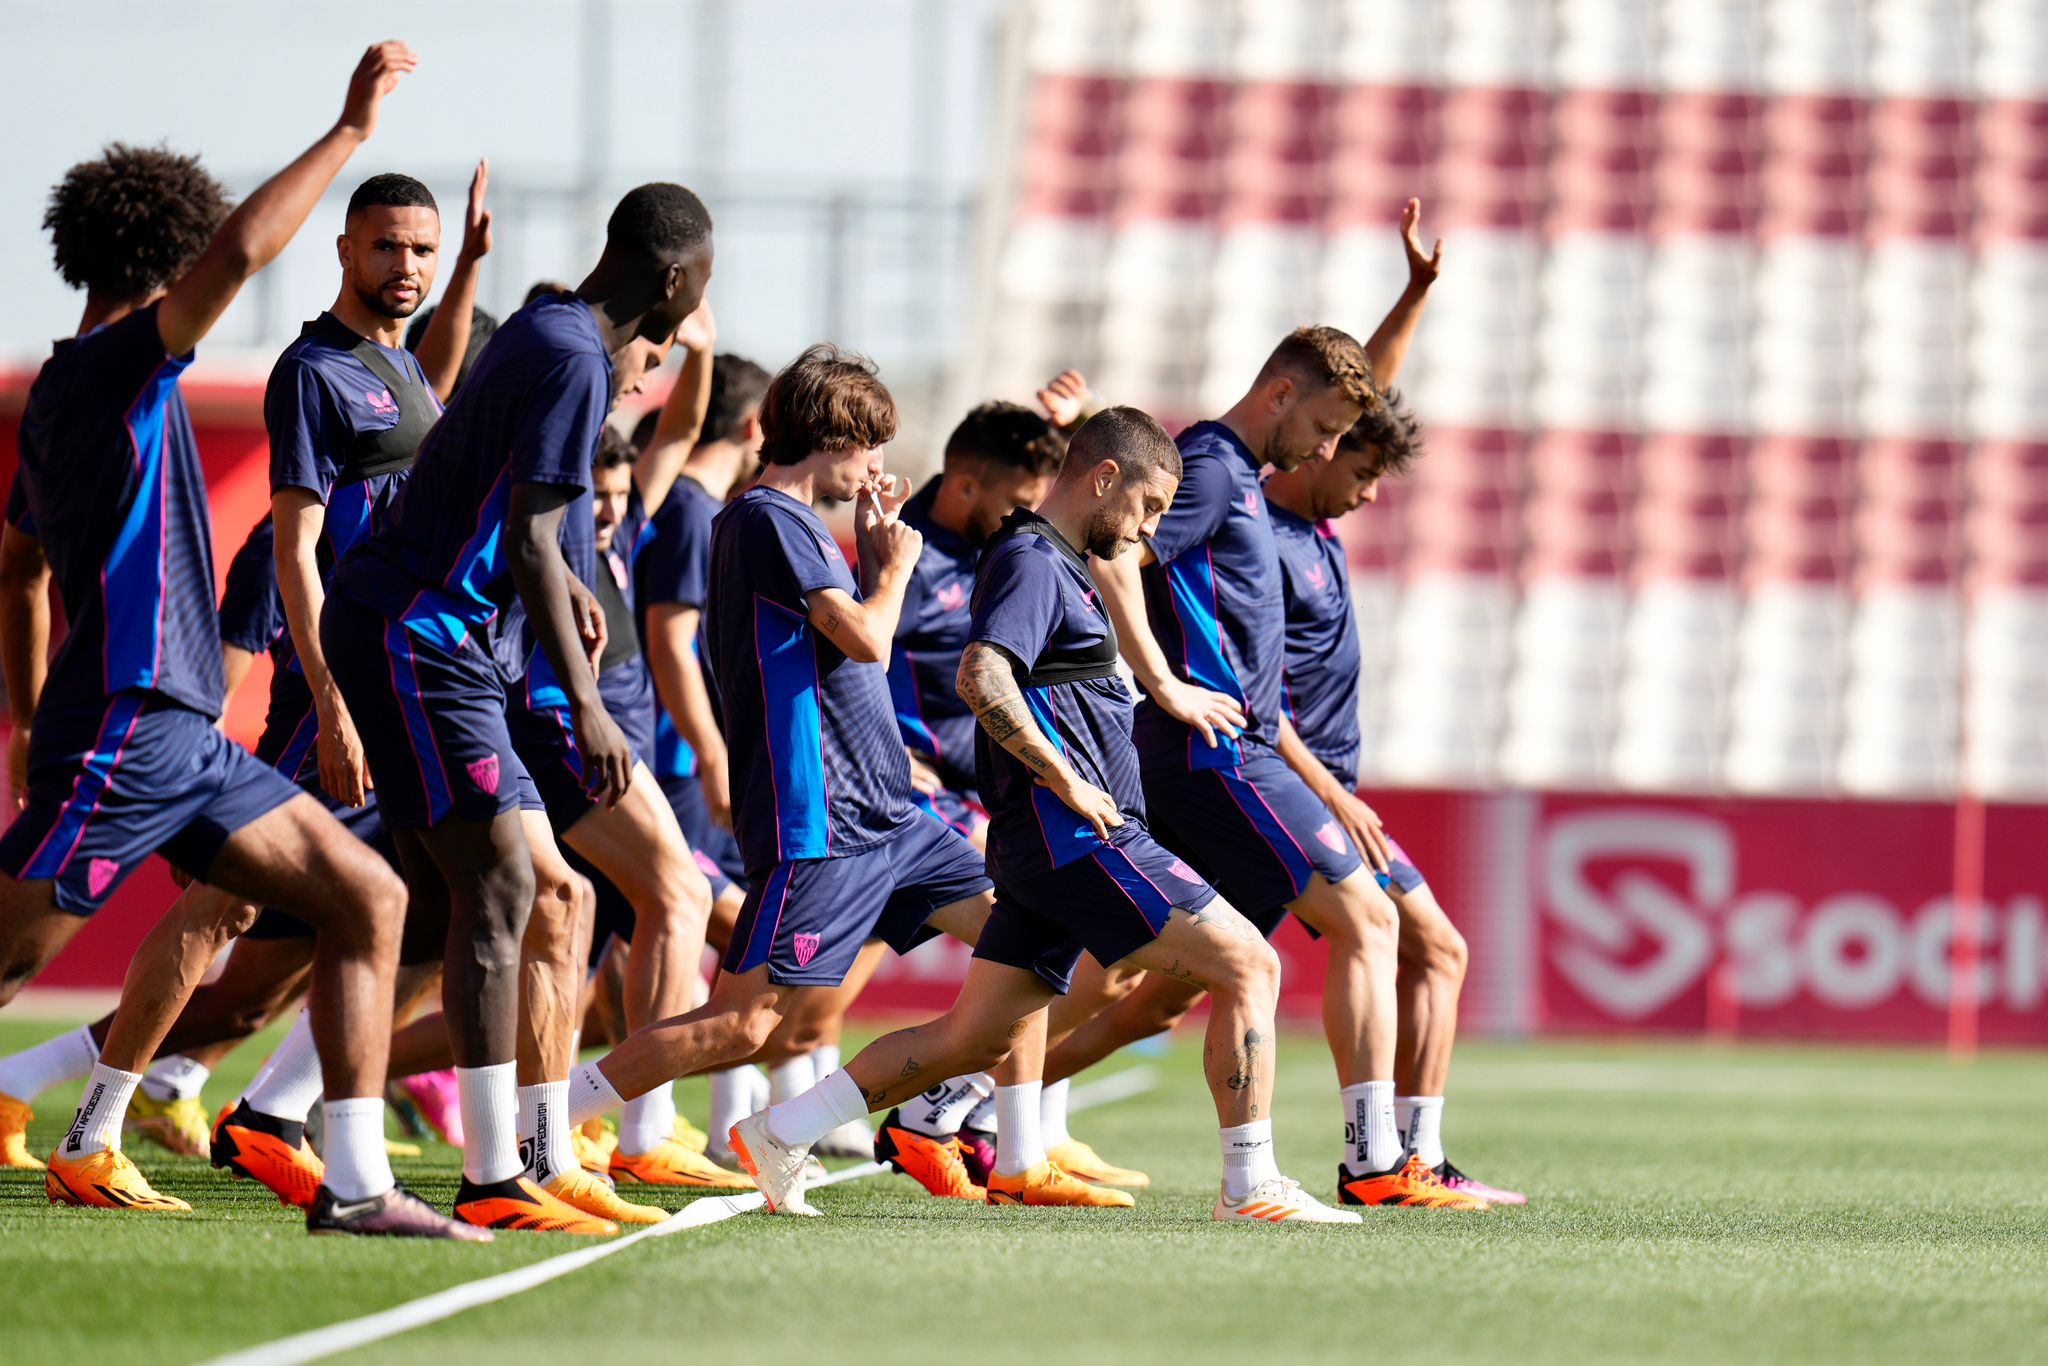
x: 639, y: 845
x: 299, y: 858
x: 964, y: 919
x: 995, y: 998
x: 33, y: 930
x: 479, y: 861
x: 1428, y: 938
x: 1349, y: 912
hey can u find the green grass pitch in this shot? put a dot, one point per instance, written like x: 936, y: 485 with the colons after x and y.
x: 1687, y: 1202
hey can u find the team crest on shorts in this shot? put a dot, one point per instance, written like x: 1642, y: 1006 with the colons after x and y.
x: 806, y: 948
x: 484, y: 773
x: 1180, y: 870
x: 1333, y: 838
x: 100, y: 875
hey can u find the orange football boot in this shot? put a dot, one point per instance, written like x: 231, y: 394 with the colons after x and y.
x: 669, y: 1163
x: 1411, y: 1185
x: 1049, y: 1184
x: 15, y: 1117
x: 519, y: 1204
x: 253, y: 1146
x: 937, y: 1164
x: 104, y: 1180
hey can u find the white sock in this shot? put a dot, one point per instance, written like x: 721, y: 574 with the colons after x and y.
x: 825, y: 1057
x: 100, y: 1111
x: 544, y: 1131
x: 732, y: 1099
x: 1052, y: 1113
x: 646, y: 1122
x: 591, y: 1094
x: 290, y: 1082
x: 1420, y: 1120
x: 489, y: 1099
x: 802, y: 1120
x: 1018, y: 1146
x: 67, y: 1057
x: 788, y: 1080
x: 983, y: 1118
x: 941, y: 1111
x: 175, y: 1078
x: 1248, y: 1159
x: 352, y: 1144
x: 1371, y: 1142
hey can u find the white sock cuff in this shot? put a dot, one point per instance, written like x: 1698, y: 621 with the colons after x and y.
x: 591, y: 1094
x: 352, y: 1145
x: 489, y: 1097
x: 101, y: 1110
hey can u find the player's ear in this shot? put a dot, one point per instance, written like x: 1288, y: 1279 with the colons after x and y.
x: 1105, y: 477
x: 671, y: 279
x: 341, y: 248
x: 1280, y: 394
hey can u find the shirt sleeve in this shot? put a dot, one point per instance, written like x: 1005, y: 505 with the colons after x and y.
x: 557, y: 430
x: 298, y: 416
x: 1199, y: 507
x: 251, y: 608
x: 672, y: 566
x: 1017, y: 604
x: 790, y: 554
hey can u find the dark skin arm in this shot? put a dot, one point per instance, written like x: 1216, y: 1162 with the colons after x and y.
x: 558, y: 608
x: 24, y: 642
x: 258, y: 230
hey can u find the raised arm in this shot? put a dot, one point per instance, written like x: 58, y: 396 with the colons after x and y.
x: 679, y: 682
x: 866, y: 631
x: 1388, y: 347
x: 533, y: 552
x: 447, y: 340
x: 24, y: 642
x: 1123, y: 599
x: 987, y: 683
x: 682, y: 416
x: 297, y: 517
x: 257, y: 231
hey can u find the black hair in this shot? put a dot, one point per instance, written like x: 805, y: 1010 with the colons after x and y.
x: 1131, y: 437
x: 736, y: 388
x: 391, y: 191
x: 1391, y: 428
x: 481, y: 326
x: 541, y: 289
x: 613, y: 449
x: 658, y: 222
x: 131, y: 222
x: 1007, y: 436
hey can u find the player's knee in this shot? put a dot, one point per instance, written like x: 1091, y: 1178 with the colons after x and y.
x: 1254, y: 971
x: 1446, y: 957
x: 503, y: 904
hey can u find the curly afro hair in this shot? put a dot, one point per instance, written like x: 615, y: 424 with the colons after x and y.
x: 128, y: 224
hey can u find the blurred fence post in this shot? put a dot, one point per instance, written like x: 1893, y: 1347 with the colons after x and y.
x: 1966, y: 921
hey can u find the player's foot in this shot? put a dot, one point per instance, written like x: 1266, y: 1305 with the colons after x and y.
x: 851, y: 1139
x: 777, y: 1167
x: 1465, y: 1185
x: 594, y: 1145
x: 439, y: 1105
x: 1410, y: 1185
x: 397, y: 1213
x: 595, y: 1196
x: 937, y: 1164
x: 978, y: 1152
x: 519, y: 1204
x: 1046, y: 1184
x: 1078, y: 1159
x: 178, y: 1125
x: 669, y: 1163
x: 257, y: 1147
x: 690, y: 1136
x: 104, y: 1180
x: 15, y: 1117
x: 1281, y: 1201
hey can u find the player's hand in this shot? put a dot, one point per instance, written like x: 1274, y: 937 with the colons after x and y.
x: 17, y: 766
x: 1362, y: 823
x: 588, y: 614
x: 1065, y: 398
x: 1086, y: 800
x: 880, y: 535
x: 924, y: 778
x: 344, y: 772
x: 476, y: 219
x: 699, y: 331
x: 1208, y: 712
x: 1423, y: 267
x: 376, y: 76
x: 607, y: 758
x: 717, y: 788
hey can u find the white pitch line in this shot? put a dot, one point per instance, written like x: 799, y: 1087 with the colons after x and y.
x: 318, y: 1343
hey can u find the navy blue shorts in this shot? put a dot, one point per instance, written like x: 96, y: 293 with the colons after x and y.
x: 291, y: 729
x: 546, y: 745
x: 1405, y: 877
x: 708, y: 839
x: 1255, y: 831
x: 807, y: 918
x: 1112, y: 903
x: 955, y: 810
x: 432, y: 723
x: 135, y: 775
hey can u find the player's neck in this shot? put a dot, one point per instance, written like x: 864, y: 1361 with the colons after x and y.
x: 715, y: 466
x: 99, y: 311
x: 1291, y: 492
x: 1243, y: 421
x: 1069, y: 510
x: 367, y: 322
x: 797, y: 481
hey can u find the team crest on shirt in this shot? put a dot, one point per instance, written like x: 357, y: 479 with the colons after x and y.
x: 806, y: 948
x: 953, y: 596
x: 830, y: 547
x: 1333, y: 838
x: 381, y: 402
x: 484, y: 773
x: 1180, y: 870
x: 1316, y: 577
x: 100, y: 875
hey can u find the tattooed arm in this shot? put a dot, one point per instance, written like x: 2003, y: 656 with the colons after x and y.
x: 987, y: 683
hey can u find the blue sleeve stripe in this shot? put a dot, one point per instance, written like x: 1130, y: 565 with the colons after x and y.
x: 132, y: 585
x: 1191, y: 581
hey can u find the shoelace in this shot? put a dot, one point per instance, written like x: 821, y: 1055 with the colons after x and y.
x: 957, y: 1180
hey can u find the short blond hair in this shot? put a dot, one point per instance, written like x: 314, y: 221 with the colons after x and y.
x: 1325, y: 357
